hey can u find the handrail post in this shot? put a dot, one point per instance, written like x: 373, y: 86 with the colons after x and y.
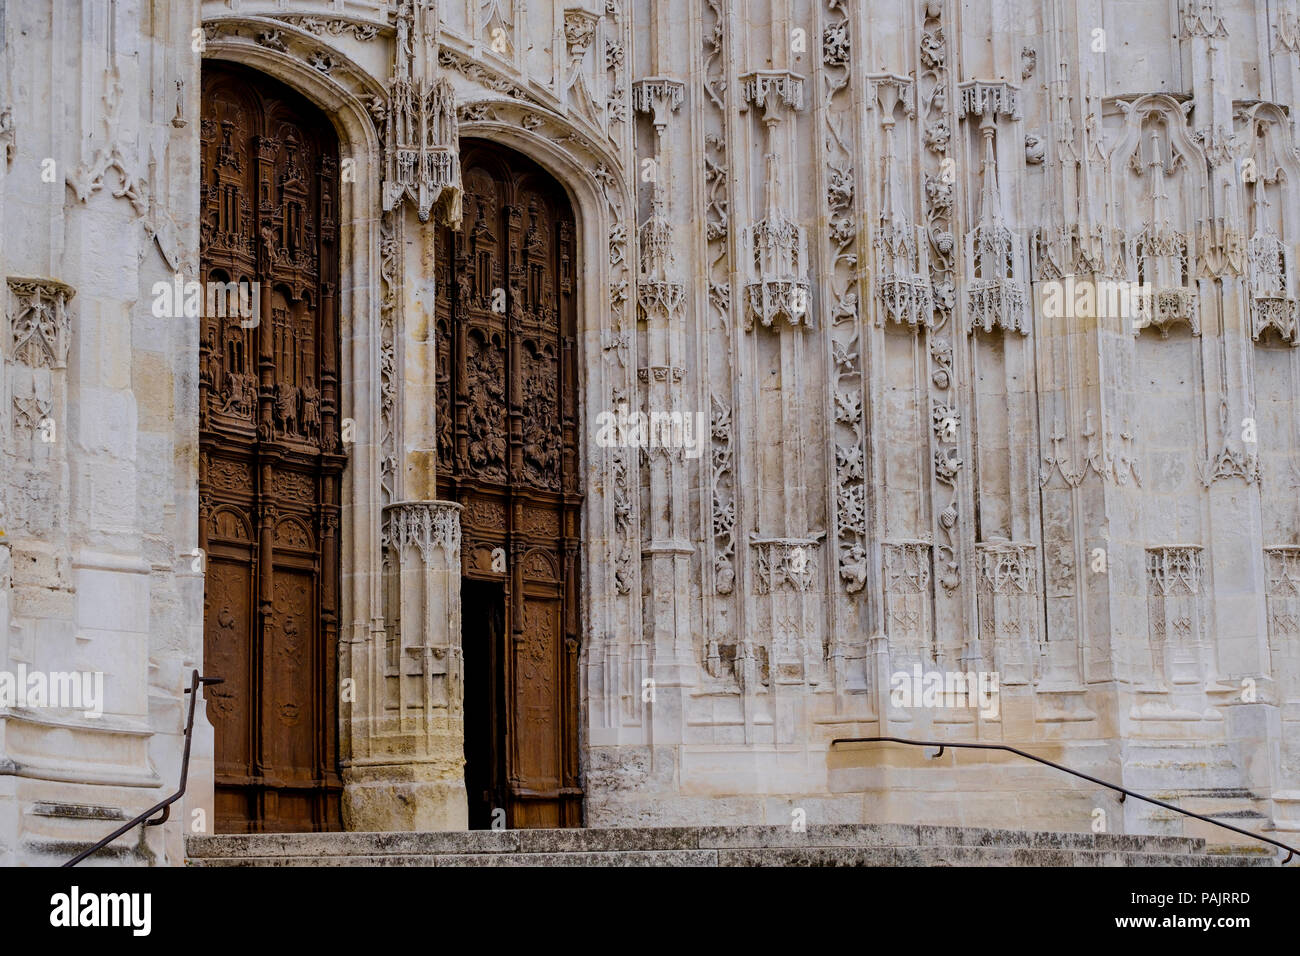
x: 165, y: 805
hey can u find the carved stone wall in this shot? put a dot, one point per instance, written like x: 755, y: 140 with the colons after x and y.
x: 883, y: 252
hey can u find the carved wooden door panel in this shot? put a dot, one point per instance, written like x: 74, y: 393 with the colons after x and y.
x: 270, y: 462
x: 507, y: 450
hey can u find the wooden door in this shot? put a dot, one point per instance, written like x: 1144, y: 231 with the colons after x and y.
x: 270, y: 461
x: 507, y: 450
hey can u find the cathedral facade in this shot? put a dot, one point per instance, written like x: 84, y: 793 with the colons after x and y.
x: 552, y: 413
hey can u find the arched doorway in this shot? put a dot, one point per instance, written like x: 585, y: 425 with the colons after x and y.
x: 270, y: 457
x: 507, y: 451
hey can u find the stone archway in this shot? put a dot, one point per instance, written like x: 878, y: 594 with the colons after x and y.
x: 401, y: 742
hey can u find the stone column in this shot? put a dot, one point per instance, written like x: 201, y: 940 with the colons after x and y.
x: 411, y: 776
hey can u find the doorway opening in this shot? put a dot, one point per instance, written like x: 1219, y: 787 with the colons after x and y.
x: 482, y: 631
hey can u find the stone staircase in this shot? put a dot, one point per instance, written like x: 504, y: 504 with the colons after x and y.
x: 819, y: 845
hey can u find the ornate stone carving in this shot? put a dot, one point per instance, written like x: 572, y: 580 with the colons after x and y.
x: 389, y: 285
x: 1272, y: 284
x: 841, y: 302
x: 625, y: 531
x: 1007, y: 593
x: 988, y: 98
x: 426, y: 525
x: 1028, y: 62
x: 1282, y: 570
x: 1175, y: 615
x: 1234, y: 459
x: 659, y: 291
x: 995, y: 257
x: 30, y: 414
x: 489, y: 78
x: 768, y: 88
x: 359, y: 30
x: 1160, y: 254
x: 724, y: 498
x: 659, y: 96
x: 784, y: 563
x: 906, y: 586
x: 932, y: 93
x: 721, y: 646
x: 775, y: 248
x: 419, y: 125
x: 39, y: 322
x: 902, y: 280
x: 1199, y: 18
x: 88, y: 177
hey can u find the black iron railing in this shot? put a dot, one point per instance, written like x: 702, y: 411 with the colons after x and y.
x: 166, y: 805
x: 1290, y: 851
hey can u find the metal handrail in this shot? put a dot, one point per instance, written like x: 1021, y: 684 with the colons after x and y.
x: 1290, y: 850
x: 166, y: 805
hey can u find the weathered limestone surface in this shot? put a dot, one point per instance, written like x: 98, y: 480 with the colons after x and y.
x: 843, y: 233
x: 819, y: 845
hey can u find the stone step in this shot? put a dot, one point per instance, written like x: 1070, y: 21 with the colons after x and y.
x: 762, y: 856
x: 818, y: 845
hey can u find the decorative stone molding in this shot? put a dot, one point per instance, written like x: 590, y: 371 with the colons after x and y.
x: 1157, y: 148
x: 724, y: 498
x: 995, y: 257
x: 769, y: 89
x: 1272, y: 278
x: 1174, y: 612
x: 1282, y: 574
x: 789, y: 563
x: 840, y: 302
x: 418, y: 123
x: 1234, y: 460
x: 88, y: 177
x: 1200, y: 18
x: 660, y: 373
x: 338, y: 27
x: 579, y: 29
x: 906, y: 583
x: 39, y: 322
x: 995, y: 303
x: 659, y: 293
x: 390, y: 284
x: 427, y: 525
x: 988, y: 98
x: 625, y: 529
x: 421, y: 152
x: 903, y: 292
x: 1008, y: 593
x: 776, y: 250
x: 490, y: 78
x: 933, y: 98
x: 658, y: 96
